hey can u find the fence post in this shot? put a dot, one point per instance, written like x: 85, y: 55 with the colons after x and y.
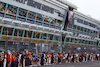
x: 29, y: 44
x: 6, y: 44
x: 18, y: 45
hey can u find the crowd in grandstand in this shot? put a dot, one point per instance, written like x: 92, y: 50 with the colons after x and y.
x: 26, y: 58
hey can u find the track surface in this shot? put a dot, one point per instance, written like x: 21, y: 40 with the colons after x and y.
x: 82, y: 64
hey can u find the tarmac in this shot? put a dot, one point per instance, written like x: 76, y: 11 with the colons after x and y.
x: 80, y: 64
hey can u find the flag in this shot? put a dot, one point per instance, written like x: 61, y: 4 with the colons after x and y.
x: 70, y: 16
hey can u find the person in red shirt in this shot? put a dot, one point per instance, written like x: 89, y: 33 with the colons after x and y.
x: 59, y: 58
x: 8, y: 60
x: 48, y: 58
x: 13, y: 60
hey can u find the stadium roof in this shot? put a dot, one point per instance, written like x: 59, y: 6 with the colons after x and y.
x: 62, y: 3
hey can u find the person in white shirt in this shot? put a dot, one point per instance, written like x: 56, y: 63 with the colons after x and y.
x: 8, y: 51
x: 45, y: 59
x: 26, y: 51
x: 66, y: 56
x: 5, y: 61
x: 97, y: 56
x: 19, y: 59
x: 77, y: 57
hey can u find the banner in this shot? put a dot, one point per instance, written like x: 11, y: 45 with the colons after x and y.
x: 26, y: 39
x: 49, y: 42
x: 66, y: 43
x: 43, y: 41
x: 55, y: 42
x: 35, y: 40
x: 75, y: 44
x: 17, y: 38
x: 5, y: 37
x: 70, y: 17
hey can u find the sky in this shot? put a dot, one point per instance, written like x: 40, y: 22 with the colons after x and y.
x: 88, y: 7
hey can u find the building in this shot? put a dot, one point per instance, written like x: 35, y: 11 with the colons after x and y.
x: 45, y: 25
x: 82, y: 33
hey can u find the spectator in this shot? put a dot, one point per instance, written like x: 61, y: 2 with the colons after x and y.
x: 42, y: 59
